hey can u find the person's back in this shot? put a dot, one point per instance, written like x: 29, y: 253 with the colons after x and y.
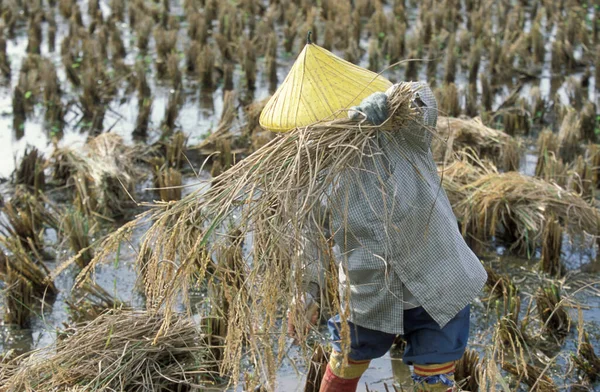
x: 404, y: 266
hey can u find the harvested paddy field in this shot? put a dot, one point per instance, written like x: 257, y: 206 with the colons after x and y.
x: 150, y: 228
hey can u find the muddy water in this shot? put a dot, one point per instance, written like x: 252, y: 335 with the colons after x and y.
x: 198, y: 115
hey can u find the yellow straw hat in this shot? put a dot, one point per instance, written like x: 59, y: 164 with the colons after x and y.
x: 320, y: 86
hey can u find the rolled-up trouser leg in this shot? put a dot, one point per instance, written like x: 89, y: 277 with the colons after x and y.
x: 365, y: 345
x: 433, y: 350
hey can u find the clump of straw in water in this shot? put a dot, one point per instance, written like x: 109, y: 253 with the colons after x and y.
x: 168, y: 180
x: 4, y: 62
x: 18, y: 295
x: 511, y: 155
x: 224, y: 128
x: 77, y: 229
x: 581, y: 178
x: 588, y: 122
x: 518, y: 204
x: 19, y: 263
x: 499, y: 286
x: 586, y: 360
x: 117, y: 351
x: 172, y: 112
x: 447, y: 97
x: 468, y: 371
x: 548, y: 146
x: 456, y: 133
x: 555, y: 319
x: 31, y: 170
x: 27, y: 216
x: 551, y: 247
x: 569, y: 136
x: 104, y: 175
x: 90, y: 302
x: 271, y: 193
x: 533, y: 376
x: 593, y: 156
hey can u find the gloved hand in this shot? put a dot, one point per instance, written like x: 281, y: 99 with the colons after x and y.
x: 373, y: 108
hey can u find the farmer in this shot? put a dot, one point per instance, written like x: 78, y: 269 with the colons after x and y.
x: 404, y: 266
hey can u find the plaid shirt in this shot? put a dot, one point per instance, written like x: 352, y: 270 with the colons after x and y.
x: 395, y: 231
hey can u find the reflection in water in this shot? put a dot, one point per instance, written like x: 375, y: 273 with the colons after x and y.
x: 13, y: 338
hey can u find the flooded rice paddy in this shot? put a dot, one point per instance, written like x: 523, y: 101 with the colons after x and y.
x: 530, y: 92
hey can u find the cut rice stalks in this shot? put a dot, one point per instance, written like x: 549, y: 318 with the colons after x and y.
x: 77, y: 228
x: 586, y: 359
x: 556, y: 321
x: 519, y: 204
x: 275, y: 189
x: 534, y: 377
x: 19, y: 261
x: 455, y: 134
x: 550, y: 262
x: 90, y: 302
x: 31, y: 171
x: 104, y: 174
x: 468, y: 371
x: 27, y: 216
x: 133, y: 357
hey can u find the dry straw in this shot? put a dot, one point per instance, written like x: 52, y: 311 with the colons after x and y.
x: 518, y: 204
x: 273, y: 195
x: 116, y: 351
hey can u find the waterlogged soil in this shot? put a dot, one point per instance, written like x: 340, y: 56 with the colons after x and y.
x: 198, y: 115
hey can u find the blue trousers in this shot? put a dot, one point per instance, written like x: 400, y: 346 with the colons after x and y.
x: 427, y: 343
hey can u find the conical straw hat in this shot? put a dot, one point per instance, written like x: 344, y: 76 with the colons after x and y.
x: 320, y: 86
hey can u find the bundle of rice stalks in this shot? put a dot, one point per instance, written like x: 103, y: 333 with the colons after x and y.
x: 510, y: 333
x: 511, y: 155
x: 515, y: 121
x: 588, y: 122
x: 104, y: 174
x: 90, y: 301
x: 569, y: 136
x: 468, y: 371
x: 18, y: 298
x: 116, y: 351
x: 456, y: 133
x: 533, y: 376
x: 171, y: 113
x: 31, y: 170
x: 27, y: 216
x: 586, y: 360
x: 518, y: 204
x: 174, y: 149
x: 551, y: 247
x: 169, y: 183
x: 556, y: 321
x: 76, y: 227
x: 19, y: 263
x: 4, y: 61
x: 581, y: 178
x: 499, y: 286
x: 448, y: 101
x: 273, y: 192
x: 548, y: 146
